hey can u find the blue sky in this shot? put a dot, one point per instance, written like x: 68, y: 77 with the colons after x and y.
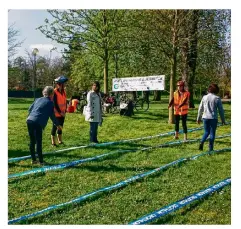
x: 26, y: 21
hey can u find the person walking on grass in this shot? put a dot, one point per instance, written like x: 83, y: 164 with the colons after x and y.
x: 93, y: 111
x: 60, y: 108
x: 39, y: 113
x: 210, y: 104
x: 180, y: 102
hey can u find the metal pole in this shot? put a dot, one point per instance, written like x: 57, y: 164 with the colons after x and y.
x: 34, y: 77
x: 116, y: 66
x: 35, y: 51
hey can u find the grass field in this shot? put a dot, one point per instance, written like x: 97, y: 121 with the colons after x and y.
x: 31, y: 193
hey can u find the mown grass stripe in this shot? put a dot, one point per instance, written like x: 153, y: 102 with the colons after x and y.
x: 107, y: 143
x: 77, y: 162
x: 109, y: 188
x: 181, y: 203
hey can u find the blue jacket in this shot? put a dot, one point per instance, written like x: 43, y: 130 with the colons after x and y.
x: 41, y: 110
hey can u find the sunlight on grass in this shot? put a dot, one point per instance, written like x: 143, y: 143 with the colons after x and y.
x: 35, y: 192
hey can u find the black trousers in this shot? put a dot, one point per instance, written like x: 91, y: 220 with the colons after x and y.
x: 35, y: 133
x: 184, y: 123
x: 60, y: 121
x: 93, y: 131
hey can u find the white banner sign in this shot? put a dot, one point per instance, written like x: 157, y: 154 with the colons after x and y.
x: 147, y: 83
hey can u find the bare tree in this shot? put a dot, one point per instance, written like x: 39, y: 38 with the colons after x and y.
x: 13, y: 42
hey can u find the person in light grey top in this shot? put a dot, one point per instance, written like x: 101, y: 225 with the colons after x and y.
x: 93, y: 111
x: 208, y: 110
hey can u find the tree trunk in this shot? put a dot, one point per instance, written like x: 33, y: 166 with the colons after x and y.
x: 106, y: 72
x: 157, y: 96
x: 173, y: 66
x: 189, y: 51
x: 105, y: 40
x: 192, y: 60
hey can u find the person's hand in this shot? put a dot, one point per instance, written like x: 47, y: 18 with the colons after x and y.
x: 92, y: 116
x: 59, y: 127
x: 62, y: 114
x: 198, y: 121
x: 169, y: 106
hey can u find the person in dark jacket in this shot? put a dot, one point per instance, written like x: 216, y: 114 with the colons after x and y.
x: 39, y: 113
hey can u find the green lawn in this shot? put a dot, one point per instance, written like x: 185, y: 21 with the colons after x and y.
x: 31, y: 193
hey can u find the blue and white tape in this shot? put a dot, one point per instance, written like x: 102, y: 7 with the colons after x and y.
x: 181, y: 203
x: 88, y: 195
x: 105, y: 189
x: 77, y: 162
x: 65, y: 165
x: 105, y: 144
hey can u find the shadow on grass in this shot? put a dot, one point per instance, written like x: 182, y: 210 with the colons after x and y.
x: 116, y: 146
x: 63, y: 210
x: 17, y: 153
x: 18, y: 108
x: 111, y: 168
x: 17, y: 180
x: 168, y: 218
x: 20, y: 100
x: 222, y: 143
x: 20, y: 153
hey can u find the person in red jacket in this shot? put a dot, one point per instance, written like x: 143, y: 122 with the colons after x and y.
x: 60, y: 108
x: 180, y: 102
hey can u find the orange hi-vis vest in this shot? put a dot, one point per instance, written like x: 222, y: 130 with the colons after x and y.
x: 61, y: 101
x: 74, y: 103
x: 178, y: 100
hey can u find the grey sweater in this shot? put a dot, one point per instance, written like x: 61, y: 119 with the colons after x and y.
x: 208, y: 107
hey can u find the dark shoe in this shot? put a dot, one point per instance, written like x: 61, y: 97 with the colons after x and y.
x: 34, y: 162
x: 43, y: 163
x: 210, y: 147
x: 54, y: 145
x: 96, y: 142
x: 201, y: 147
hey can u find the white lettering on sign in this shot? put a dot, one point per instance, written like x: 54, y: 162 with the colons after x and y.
x: 147, y: 83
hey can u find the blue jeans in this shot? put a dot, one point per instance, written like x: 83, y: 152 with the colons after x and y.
x: 35, y: 133
x: 210, y: 126
x: 93, y: 131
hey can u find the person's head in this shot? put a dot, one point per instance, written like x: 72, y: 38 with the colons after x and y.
x: 96, y: 86
x: 180, y: 86
x: 60, y: 82
x: 213, y: 88
x: 48, y: 91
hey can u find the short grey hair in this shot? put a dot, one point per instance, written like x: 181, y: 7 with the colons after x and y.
x: 47, y: 91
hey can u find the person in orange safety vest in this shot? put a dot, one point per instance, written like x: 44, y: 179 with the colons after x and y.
x: 180, y: 102
x: 60, y: 108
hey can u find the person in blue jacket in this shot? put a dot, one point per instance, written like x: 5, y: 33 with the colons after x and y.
x: 39, y: 112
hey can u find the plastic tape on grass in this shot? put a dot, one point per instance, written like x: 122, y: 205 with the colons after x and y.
x: 109, y: 188
x: 181, y: 203
x: 66, y: 165
x: 106, y: 143
x: 81, y: 161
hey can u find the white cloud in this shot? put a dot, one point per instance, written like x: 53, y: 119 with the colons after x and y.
x: 41, y: 47
x: 45, y: 50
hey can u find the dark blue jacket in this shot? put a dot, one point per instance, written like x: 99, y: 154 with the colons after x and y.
x: 41, y: 110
